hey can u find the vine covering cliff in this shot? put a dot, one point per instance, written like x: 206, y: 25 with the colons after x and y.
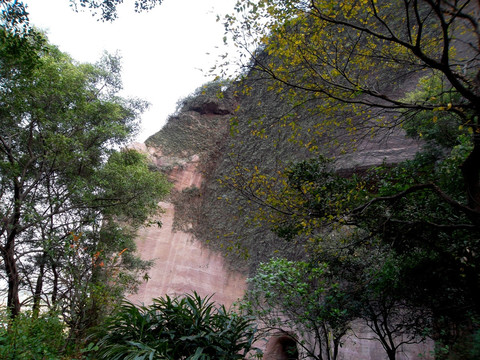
x: 229, y: 129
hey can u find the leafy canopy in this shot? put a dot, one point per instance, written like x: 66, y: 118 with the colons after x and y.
x: 14, y: 12
x: 346, y: 73
x: 70, y: 200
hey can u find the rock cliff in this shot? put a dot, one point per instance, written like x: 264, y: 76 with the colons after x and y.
x: 208, y: 241
x: 184, y: 263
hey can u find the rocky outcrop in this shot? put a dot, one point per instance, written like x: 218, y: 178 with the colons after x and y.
x: 184, y: 263
x: 209, y: 241
x: 207, y: 233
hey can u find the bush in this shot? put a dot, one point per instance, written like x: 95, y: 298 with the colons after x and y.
x: 188, y: 327
x: 27, y: 338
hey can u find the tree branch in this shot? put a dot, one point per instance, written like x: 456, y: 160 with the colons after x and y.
x: 420, y: 187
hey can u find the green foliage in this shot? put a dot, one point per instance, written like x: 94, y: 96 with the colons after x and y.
x: 71, y: 203
x: 18, y: 52
x: 444, y: 124
x: 127, y: 176
x: 313, y: 196
x: 106, y: 10
x: 189, y: 327
x: 29, y: 338
x: 13, y: 15
x: 303, y: 298
x: 14, y: 12
x: 475, y: 347
x: 346, y: 63
x: 428, y: 267
x: 428, y: 270
x: 404, y: 232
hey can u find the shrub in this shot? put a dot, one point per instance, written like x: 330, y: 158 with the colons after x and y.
x: 188, y: 327
x: 27, y: 337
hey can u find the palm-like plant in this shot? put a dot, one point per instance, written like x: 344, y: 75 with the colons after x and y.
x: 188, y: 327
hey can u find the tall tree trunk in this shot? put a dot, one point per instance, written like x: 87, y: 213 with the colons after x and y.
x: 55, y: 285
x: 336, y: 345
x: 38, y: 288
x: 13, y: 278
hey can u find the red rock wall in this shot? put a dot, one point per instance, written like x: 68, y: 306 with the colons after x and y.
x: 182, y: 263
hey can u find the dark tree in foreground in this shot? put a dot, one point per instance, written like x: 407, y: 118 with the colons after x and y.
x: 367, y: 68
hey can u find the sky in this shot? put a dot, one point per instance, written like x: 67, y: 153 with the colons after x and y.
x: 166, y: 52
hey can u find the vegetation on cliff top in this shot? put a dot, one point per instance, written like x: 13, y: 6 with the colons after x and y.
x: 198, y: 124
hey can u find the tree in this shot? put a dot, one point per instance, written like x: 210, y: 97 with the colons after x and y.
x: 70, y: 201
x: 374, y: 276
x: 15, y: 12
x: 344, y: 62
x: 98, y: 266
x: 27, y: 338
x: 296, y: 51
x: 302, y: 300
x: 405, y: 261
x: 186, y: 327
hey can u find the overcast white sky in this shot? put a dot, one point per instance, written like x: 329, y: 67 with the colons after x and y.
x: 163, y: 50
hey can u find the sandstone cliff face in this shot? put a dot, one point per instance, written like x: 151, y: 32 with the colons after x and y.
x: 218, y: 215
x: 208, y: 233
x: 183, y: 263
x: 208, y: 242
